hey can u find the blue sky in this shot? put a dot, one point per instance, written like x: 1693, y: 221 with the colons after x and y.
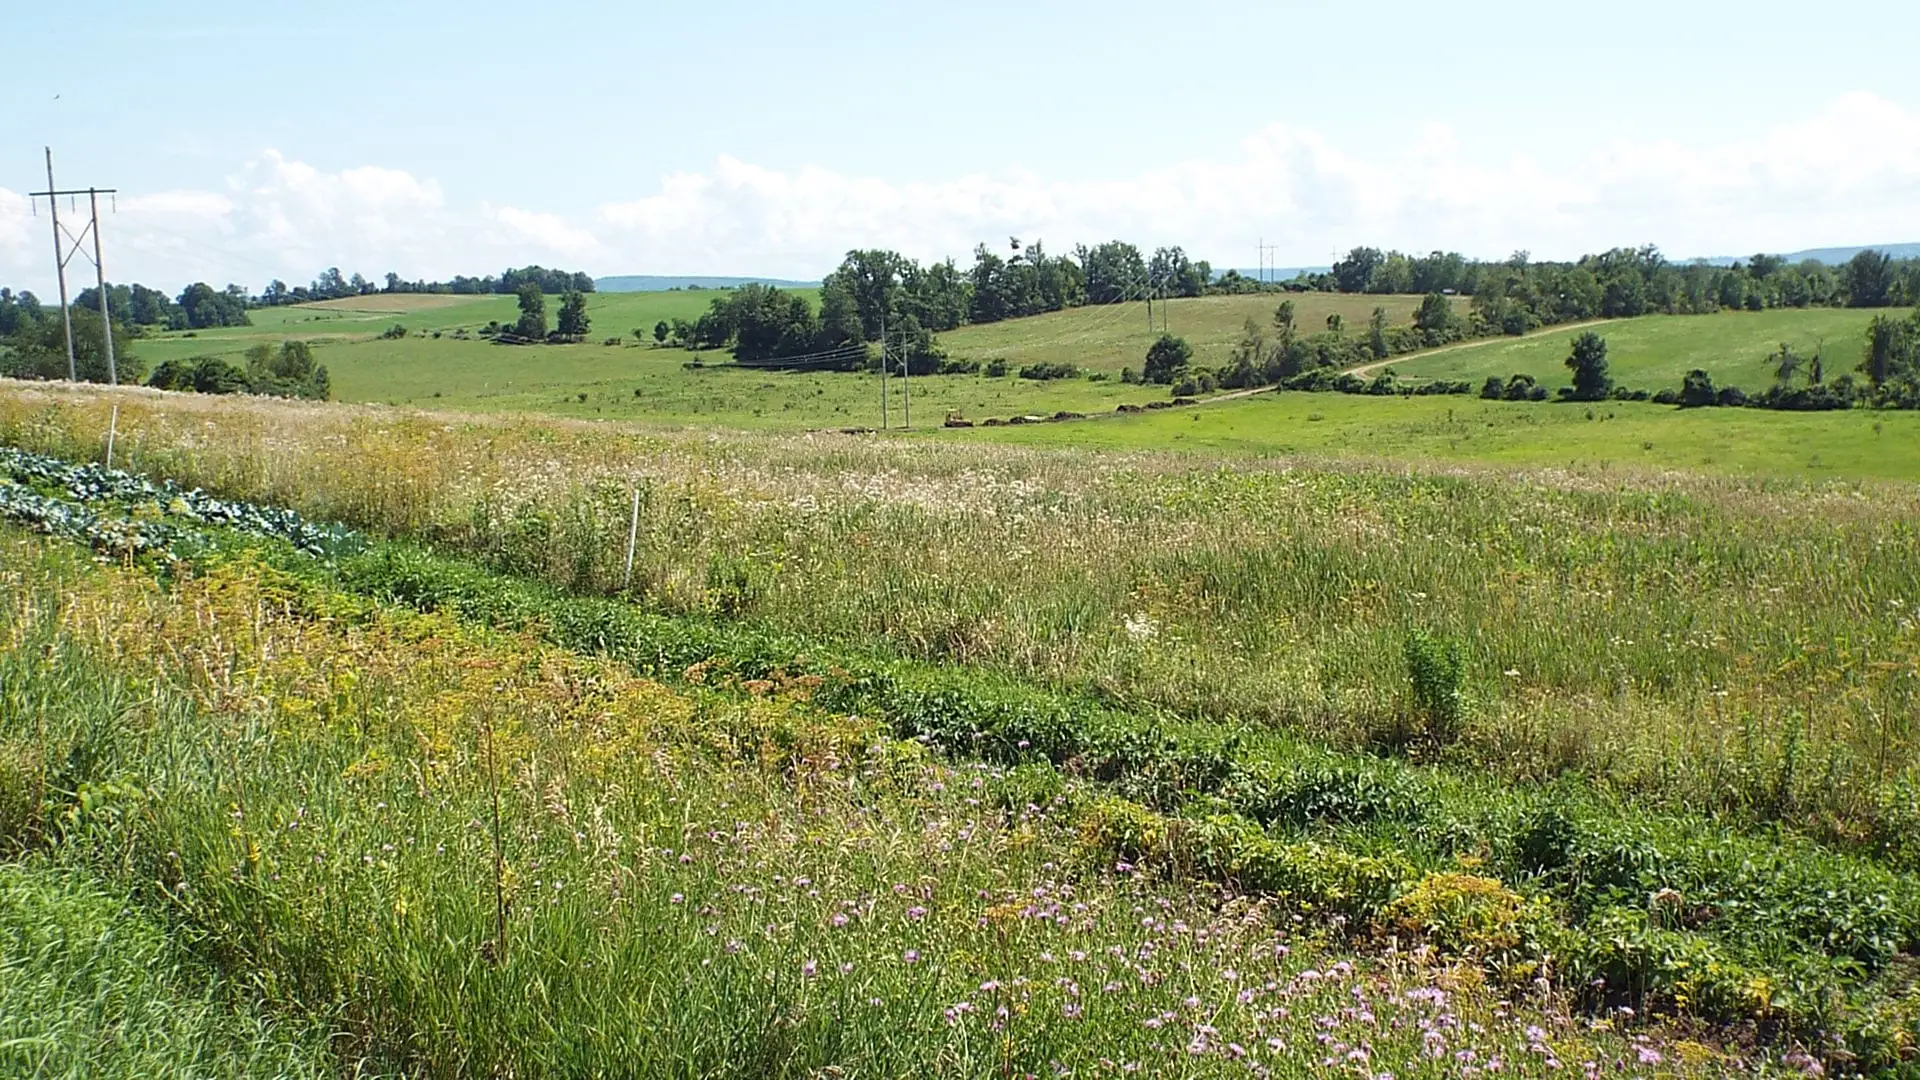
x: 274, y: 140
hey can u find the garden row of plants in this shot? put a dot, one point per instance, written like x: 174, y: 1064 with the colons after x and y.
x: 1671, y: 911
x: 466, y: 852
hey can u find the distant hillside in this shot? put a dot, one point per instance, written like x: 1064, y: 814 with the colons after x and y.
x: 661, y: 283
x: 1832, y: 256
x: 1277, y: 273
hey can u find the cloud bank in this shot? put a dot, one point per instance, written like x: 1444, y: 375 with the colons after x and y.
x: 1849, y: 172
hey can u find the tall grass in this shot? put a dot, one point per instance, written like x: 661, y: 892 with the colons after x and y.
x: 91, y: 989
x: 690, y: 883
x: 1667, y: 634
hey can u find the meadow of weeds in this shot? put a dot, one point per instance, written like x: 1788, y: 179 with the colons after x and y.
x: 1749, y: 646
x: 889, y: 757
x: 465, y: 852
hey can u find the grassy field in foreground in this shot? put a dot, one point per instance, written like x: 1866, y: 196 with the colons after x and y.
x: 1650, y: 627
x: 1656, y: 351
x: 92, y: 988
x: 469, y: 853
x: 1634, y: 437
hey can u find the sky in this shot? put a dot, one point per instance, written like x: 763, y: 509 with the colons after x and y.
x: 251, y: 142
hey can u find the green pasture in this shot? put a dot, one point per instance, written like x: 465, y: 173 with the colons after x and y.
x: 1612, y: 435
x: 1115, y: 336
x: 1655, y: 351
x: 644, y: 382
x: 358, y: 321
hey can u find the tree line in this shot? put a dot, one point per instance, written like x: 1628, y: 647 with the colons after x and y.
x: 531, y: 327
x: 197, y: 307
x: 1521, y: 294
x: 332, y: 285
x: 872, y: 288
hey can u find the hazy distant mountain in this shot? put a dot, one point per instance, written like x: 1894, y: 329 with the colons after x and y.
x: 1832, y: 256
x: 1277, y: 273
x: 661, y: 283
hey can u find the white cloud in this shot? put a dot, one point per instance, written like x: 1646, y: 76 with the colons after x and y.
x: 1848, y: 172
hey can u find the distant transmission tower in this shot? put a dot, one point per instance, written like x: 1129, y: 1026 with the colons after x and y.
x: 1266, y: 251
x: 63, y: 254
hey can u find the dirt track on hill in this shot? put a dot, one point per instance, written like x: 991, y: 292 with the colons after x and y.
x: 1364, y: 370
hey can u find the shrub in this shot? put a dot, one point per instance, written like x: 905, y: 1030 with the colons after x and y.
x: 1545, y: 842
x: 1666, y: 396
x: 1436, y: 674
x: 1805, y: 398
x: 1493, y: 389
x: 1460, y: 913
x: 1167, y: 360
x: 1520, y: 387
x: 1696, y: 390
x: 954, y: 365
x: 394, y: 331
x: 1731, y: 397
x: 996, y: 369
x: 1047, y: 371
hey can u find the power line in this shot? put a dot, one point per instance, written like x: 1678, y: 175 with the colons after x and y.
x: 62, y: 254
x: 837, y: 354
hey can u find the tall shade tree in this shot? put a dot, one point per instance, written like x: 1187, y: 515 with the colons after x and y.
x: 1588, y: 362
x: 533, y: 313
x: 574, y: 322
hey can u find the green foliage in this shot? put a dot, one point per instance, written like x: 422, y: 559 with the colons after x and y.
x: 393, y: 332
x: 660, y: 331
x: 1588, y: 362
x: 1869, y: 278
x: 289, y: 371
x: 1892, y: 354
x: 37, y: 349
x: 1045, y: 371
x: 573, y: 323
x: 1228, y: 802
x: 1696, y: 390
x: 1464, y: 914
x: 765, y: 326
x: 92, y: 989
x: 1283, y: 317
x: 202, y: 374
x: 1166, y: 360
x: 201, y: 307
x: 532, y: 324
x: 1435, y: 319
x: 1436, y: 679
